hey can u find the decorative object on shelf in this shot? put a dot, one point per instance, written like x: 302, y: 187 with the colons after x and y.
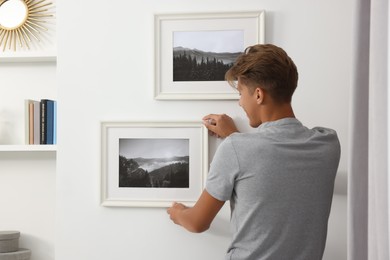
x: 9, y: 241
x: 9, y: 247
x: 21, y: 21
x: 152, y: 164
x: 21, y: 254
x: 193, y: 52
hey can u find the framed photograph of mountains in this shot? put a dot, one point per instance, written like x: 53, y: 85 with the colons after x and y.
x: 194, y: 51
x: 152, y: 164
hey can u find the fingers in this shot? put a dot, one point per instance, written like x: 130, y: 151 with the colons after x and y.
x: 174, y: 211
x: 210, y: 120
x: 212, y: 128
x: 170, y: 208
x: 210, y: 116
x: 220, y: 125
x: 175, y: 205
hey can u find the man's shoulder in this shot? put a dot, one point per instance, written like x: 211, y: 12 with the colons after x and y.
x: 237, y: 137
x: 324, y: 130
x: 247, y: 140
x: 326, y: 134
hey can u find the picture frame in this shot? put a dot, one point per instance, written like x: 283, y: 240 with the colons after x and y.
x: 193, y: 51
x: 152, y: 164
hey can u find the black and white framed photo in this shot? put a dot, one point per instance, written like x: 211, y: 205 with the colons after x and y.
x: 152, y: 164
x: 194, y: 51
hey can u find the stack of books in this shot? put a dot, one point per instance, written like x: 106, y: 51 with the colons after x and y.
x: 41, y: 121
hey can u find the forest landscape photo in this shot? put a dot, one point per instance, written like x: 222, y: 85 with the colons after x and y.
x: 205, y: 55
x: 153, y: 163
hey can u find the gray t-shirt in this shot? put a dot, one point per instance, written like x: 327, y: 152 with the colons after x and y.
x: 279, y: 181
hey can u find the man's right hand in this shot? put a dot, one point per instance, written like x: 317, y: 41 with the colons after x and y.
x: 220, y: 125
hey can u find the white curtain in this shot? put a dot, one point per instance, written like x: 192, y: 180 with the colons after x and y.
x: 368, y: 187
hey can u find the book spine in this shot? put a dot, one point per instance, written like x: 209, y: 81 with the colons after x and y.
x: 37, y: 122
x: 55, y: 123
x: 31, y: 123
x: 49, y: 121
x: 26, y: 121
x: 43, y: 117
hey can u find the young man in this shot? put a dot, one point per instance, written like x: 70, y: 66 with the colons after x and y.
x: 279, y: 179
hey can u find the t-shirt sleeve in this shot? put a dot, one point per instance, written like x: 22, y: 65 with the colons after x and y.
x: 223, y: 171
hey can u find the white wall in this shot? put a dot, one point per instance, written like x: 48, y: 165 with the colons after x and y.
x: 105, y: 72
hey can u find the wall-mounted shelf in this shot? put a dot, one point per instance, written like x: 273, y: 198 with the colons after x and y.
x: 28, y: 148
x: 23, y: 57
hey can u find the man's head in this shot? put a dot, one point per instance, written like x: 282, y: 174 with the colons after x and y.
x: 268, y: 67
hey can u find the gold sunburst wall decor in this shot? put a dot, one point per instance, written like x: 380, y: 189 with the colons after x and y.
x: 22, y: 21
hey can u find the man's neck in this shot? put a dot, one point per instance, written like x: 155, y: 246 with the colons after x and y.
x: 277, y: 111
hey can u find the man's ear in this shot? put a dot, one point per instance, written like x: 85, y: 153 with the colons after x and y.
x: 259, y: 94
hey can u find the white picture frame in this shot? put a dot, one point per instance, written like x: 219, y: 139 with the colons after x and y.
x: 122, y: 143
x: 214, y: 33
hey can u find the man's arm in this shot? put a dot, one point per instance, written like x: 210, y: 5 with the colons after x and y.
x: 198, y: 218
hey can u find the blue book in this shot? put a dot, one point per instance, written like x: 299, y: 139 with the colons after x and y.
x: 55, y: 123
x: 47, y: 121
x: 42, y: 121
x: 50, y: 121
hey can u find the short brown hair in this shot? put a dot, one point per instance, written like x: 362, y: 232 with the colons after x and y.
x: 268, y: 66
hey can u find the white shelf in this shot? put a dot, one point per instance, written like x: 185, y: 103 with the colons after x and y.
x: 28, y: 148
x: 17, y: 57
